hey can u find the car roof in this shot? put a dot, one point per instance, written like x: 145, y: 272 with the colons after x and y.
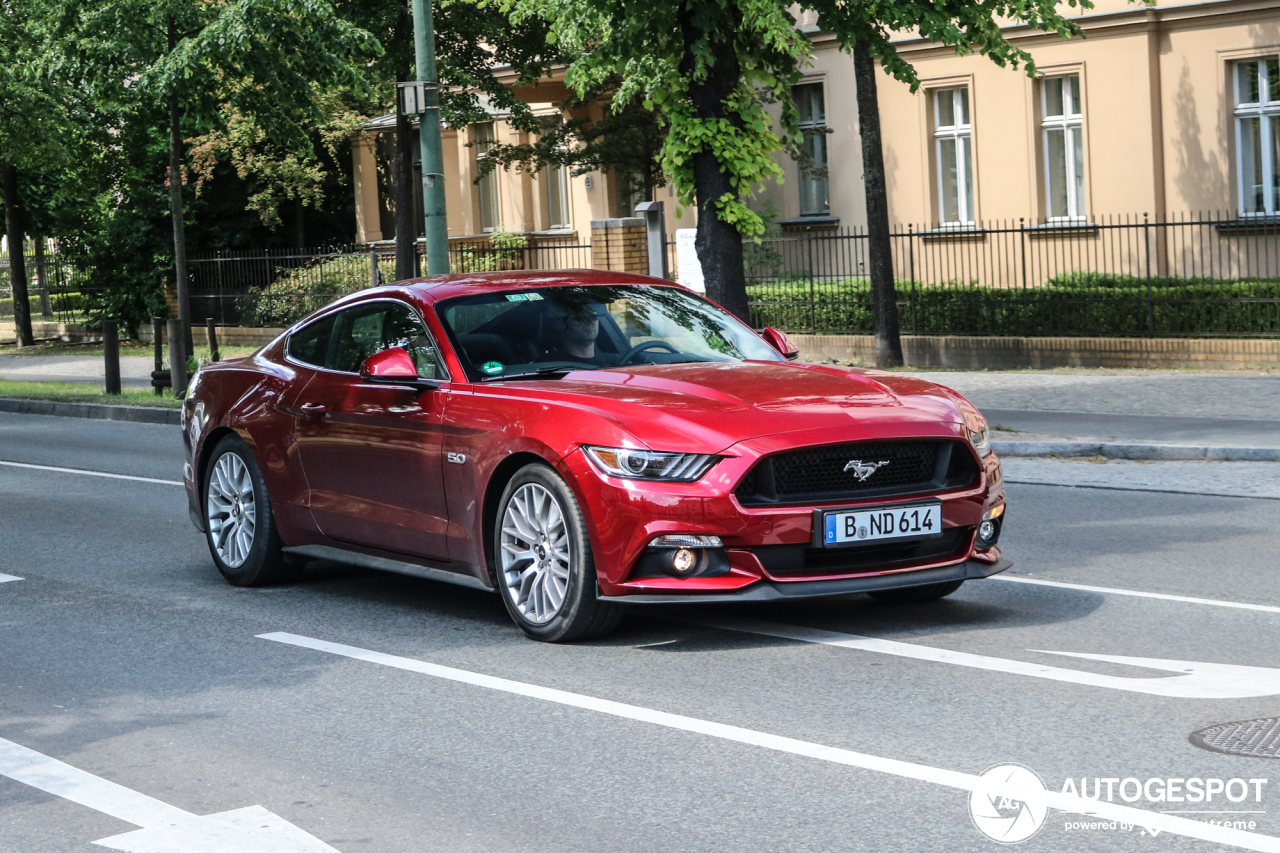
x: 435, y: 288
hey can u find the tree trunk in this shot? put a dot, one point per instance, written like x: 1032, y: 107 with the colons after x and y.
x: 406, y: 233
x: 884, y: 300
x: 175, y: 203
x: 718, y: 243
x: 17, y: 261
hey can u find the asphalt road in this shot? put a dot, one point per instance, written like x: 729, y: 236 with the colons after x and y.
x: 124, y: 654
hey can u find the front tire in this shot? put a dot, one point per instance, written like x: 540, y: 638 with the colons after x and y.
x: 543, y: 563
x: 239, y: 525
x: 915, y: 594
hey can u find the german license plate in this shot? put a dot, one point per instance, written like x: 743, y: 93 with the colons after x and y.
x: 917, y: 521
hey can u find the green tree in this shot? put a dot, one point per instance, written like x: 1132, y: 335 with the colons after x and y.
x: 709, y: 69
x: 867, y: 30
x: 268, y: 61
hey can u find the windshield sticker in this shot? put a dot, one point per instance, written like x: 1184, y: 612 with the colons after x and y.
x: 491, y: 367
x: 516, y: 297
x: 533, y: 297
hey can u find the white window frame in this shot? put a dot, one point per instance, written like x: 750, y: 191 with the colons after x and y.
x: 814, y: 133
x: 1263, y: 111
x: 1072, y: 118
x: 557, y: 179
x: 489, y: 183
x: 961, y: 132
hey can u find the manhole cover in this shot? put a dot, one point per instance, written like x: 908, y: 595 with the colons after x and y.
x: 1255, y: 738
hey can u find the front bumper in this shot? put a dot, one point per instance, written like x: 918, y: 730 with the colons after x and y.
x: 772, y: 591
x: 769, y: 548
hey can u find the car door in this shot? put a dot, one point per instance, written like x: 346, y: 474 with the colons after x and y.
x: 370, y: 452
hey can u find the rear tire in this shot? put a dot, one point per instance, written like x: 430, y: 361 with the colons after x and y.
x: 914, y: 594
x: 543, y: 565
x: 239, y: 525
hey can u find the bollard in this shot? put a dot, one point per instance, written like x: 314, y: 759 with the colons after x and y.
x: 213, y: 341
x: 157, y: 332
x: 177, y: 358
x: 111, y: 353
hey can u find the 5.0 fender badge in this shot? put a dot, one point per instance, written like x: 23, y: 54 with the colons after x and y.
x: 456, y: 458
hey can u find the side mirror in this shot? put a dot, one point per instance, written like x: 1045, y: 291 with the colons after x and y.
x: 394, y: 366
x: 779, y: 341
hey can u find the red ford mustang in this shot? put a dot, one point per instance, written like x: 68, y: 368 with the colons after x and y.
x: 579, y: 442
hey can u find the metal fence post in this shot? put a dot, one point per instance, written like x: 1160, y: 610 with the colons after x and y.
x: 911, y: 257
x: 1146, y: 240
x: 177, y: 358
x: 373, y: 268
x: 813, y: 296
x: 1022, y: 243
x: 111, y: 355
x: 157, y: 339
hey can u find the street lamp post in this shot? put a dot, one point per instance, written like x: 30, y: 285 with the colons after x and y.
x: 433, y: 208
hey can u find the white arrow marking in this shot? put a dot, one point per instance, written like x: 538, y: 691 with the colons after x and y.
x: 7, y: 578
x: 166, y: 828
x: 921, y: 772
x: 1196, y: 681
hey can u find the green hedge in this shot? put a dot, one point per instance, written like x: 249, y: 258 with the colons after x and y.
x: 298, y: 292
x: 1080, y: 304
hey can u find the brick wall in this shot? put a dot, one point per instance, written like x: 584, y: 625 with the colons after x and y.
x: 965, y: 353
x: 619, y: 244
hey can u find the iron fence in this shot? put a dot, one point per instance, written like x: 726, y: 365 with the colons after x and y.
x: 58, y: 291
x: 276, y: 288
x: 1121, y: 276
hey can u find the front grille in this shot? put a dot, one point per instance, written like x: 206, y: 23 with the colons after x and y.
x: 824, y: 474
x: 793, y: 560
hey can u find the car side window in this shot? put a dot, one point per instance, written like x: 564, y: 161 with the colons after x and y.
x: 310, y: 345
x: 363, y: 330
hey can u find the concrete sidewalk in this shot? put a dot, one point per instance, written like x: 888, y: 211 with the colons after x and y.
x: 135, y: 370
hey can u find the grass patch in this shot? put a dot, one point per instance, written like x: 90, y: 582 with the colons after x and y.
x: 83, y: 392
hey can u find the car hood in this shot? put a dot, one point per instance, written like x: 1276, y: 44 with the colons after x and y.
x: 707, y: 407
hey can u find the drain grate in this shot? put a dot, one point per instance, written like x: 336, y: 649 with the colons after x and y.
x: 1254, y: 738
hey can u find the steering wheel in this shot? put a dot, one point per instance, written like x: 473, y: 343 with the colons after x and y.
x: 641, y: 347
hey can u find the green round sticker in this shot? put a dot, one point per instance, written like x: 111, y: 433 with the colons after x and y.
x: 491, y: 367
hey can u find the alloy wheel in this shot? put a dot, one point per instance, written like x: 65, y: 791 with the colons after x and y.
x: 535, y: 553
x: 231, y: 510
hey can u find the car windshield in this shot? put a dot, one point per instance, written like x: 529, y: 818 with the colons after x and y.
x: 548, y: 331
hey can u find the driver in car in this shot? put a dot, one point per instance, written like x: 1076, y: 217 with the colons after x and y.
x: 570, y: 333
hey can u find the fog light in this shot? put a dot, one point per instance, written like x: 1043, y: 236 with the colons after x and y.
x: 987, y: 530
x: 684, y: 561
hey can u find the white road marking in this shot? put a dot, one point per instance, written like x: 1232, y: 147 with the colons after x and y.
x: 92, y: 473
x: 8, y: 578
x: 166, y: 828
x: 1152, y: 821
x: 1195, y: 681
x: 1264, y: 608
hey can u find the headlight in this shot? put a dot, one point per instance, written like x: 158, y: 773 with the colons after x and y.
x: 975, y: 427
x: 649, y: 464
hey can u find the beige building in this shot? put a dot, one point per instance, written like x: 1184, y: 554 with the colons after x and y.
x: 1172, y: 110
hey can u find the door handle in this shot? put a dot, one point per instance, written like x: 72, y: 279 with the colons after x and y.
x: 313, y: 410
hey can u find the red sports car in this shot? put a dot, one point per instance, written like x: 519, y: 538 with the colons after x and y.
x: 581, y: 441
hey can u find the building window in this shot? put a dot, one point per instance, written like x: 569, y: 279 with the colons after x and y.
x: 814, y: 199
x: 557, y: 180
x: 490, y: 219
x: 1258, y: 135
x: 953, y: 143
x: 1063, y: 140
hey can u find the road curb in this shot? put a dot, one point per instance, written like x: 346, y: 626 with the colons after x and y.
x: 1131, y: 450
x: 94, y: 411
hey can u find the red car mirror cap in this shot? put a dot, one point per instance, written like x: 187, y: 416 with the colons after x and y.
x: 779, y: 341
x: 394, y: 366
